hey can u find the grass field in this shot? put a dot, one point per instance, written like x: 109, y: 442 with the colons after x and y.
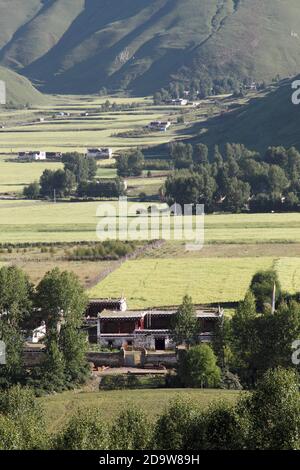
x: 14, y: 176
x: 162, y: 282
x: 36, y: 221
x: 60, y: 407
x: 77, y: 132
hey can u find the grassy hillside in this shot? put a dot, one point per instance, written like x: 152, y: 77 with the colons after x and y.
x: 140, y: 45
x: 19, y: 90
x: 270, y: 120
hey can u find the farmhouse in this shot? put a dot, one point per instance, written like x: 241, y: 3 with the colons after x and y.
x: 104, y: 153
x: 162, y: 126
x: 54, y: 155
x: 149, y: 329
x: 96, y: 306
x: 177, y: 102
x: 34, y: 155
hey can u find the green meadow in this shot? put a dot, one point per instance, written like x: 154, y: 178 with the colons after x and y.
x: 59, y: 408
x: 40, y: 221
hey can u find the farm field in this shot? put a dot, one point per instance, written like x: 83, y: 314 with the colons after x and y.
x: 59, y: 408
x: 38, y: 221
x: 151, y: 283
x: 77, y: 132
x: 14, y: 175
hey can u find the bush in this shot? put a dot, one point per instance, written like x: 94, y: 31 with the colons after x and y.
x: 86, y: 430
x: 197, y: 367
x: 172, y: 427
x: 131, y: 431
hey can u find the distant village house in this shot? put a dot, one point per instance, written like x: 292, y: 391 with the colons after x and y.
x: 100, y: 153
x: 161, y: 126
x: 32, y: 155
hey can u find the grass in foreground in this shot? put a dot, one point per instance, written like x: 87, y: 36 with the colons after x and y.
x: 59, y: 408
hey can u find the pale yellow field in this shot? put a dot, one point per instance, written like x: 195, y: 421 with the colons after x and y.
x: 149, y: 283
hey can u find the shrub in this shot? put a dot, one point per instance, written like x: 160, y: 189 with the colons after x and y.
x: 131, y: 430
x: 86, y: 430
x: 198, y: 367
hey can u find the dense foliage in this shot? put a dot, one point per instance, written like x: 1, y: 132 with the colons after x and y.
x: 267, y: 418
x: 60, y: 301
x: 78, y: 178
x: 235, y: 179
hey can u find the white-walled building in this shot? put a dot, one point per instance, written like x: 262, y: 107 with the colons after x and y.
x: 101, y: 153
x: 34, y: 155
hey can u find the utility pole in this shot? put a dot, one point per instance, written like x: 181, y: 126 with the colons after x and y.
x: 54, y: 196
x: 274, y: 299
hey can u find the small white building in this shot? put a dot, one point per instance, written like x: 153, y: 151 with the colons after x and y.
x: 38, y: 334
x: 177, y: 102
x: 101, y: 153
x: 35, y: 155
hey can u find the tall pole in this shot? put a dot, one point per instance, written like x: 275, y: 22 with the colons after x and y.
x: 274, y: 299
x: 98, y: 330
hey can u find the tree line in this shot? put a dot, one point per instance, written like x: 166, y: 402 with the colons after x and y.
x: 266, y: 419
x: 59, y: 300
x: 77, y: 178
x: 235, y: 179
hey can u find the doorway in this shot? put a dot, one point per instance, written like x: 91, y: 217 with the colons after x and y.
x: 160, y: 344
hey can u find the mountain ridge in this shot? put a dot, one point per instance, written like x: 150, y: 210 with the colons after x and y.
x: 140, y: 46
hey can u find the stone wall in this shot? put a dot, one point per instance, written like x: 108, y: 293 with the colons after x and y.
x: 168, y: 359
x: 33, y: 358
x: 106, y: 359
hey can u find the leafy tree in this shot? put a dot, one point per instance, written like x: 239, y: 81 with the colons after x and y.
x: 130, y: 164
x: 32, y: 191
x: 62, y: 302
x: 171, y: 430
x: 51, y: 376
x: 59, y: 182
x: 10, y: 434
x: 181, y: 154
x: 131, y: 430
x: 16, y: 294
x: 200, y: 155
x: 74, y: 346
x: 86, y: 430
x: 221, y: 427
x: 12, y: 372
x: 61, y: 291
x: 19, y: 406
x: 82, y: 167
x: 274, y: 412
x: 243, y: 328
x: 185, y: 187
x: 107, y: 189
x: 197, y: 367
x: 237, y: 195
x: 262, y: 287
x: 185, y: 326
x: 277, y: 179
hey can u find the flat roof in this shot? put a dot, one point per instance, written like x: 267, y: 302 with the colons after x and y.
x: 108, y: 315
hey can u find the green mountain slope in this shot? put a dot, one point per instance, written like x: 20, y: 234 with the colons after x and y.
x: 19, y: 90
x: 142, y: 45
x: 268, y: 121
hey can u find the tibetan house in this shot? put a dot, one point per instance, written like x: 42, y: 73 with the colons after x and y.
x: 149, y: 329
